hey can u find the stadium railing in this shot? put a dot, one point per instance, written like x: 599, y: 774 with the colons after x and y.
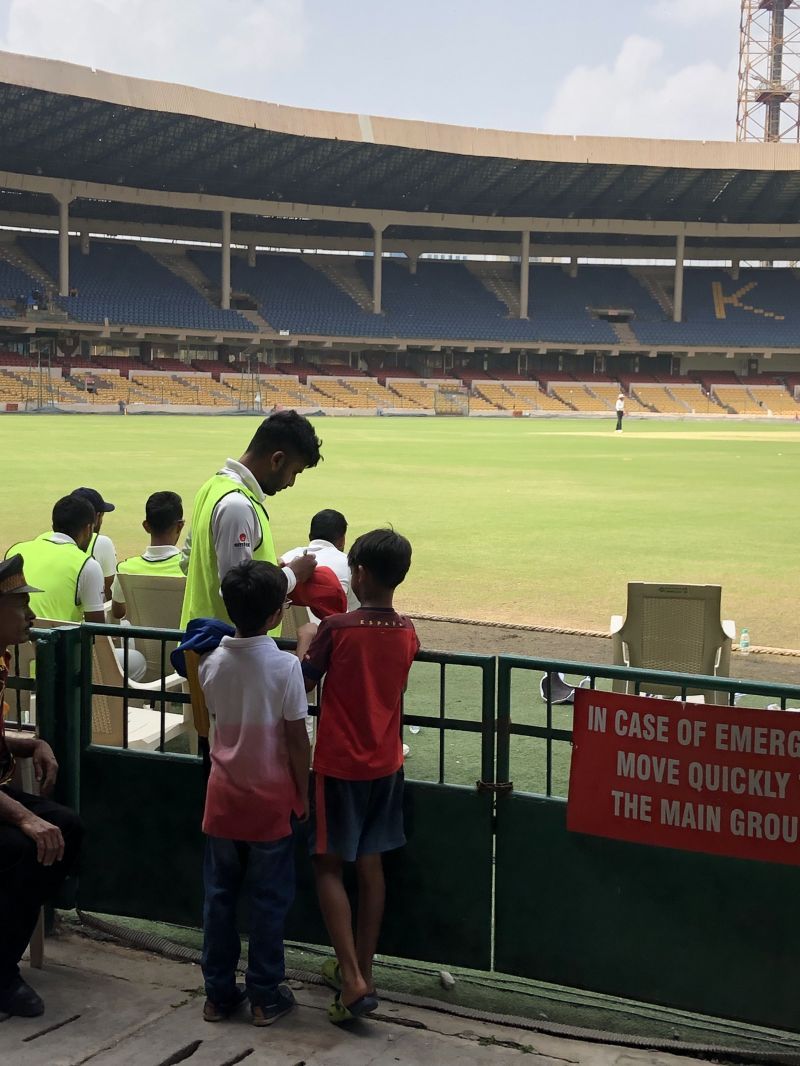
x: 490, y: 877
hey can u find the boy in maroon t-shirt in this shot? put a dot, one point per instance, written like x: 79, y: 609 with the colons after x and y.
x: 357, y: 787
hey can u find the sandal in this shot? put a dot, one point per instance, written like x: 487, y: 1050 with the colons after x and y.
x: 331, y: 974
x: 339, y: 1014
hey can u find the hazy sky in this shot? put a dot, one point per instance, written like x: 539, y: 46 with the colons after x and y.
x: 662, y: 68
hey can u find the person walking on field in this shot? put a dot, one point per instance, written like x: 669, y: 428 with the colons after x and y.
x: 619, y: 406
x: 229, y: 521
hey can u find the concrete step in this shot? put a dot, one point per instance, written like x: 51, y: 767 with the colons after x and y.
x: 624, y: 333
x: 16, y: 256
x: 499, y: 283
x: 345, y: 277
x: 183, y: 268
x: 258, y: 320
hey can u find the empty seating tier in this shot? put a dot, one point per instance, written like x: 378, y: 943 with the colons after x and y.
x: 123, y: 284
x: 659, y: 398
x: 738, y: 400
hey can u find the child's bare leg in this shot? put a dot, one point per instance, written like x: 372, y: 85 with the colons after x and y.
x: 335, y: 907
x: 371, y: 897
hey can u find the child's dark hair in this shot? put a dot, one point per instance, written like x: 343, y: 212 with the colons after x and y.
x: 252, y: 592
x: 162, y: 511
x: 328, y: 525
x: 287, y: 431
x: 386, y: 554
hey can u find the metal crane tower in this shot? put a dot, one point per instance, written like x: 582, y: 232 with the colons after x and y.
x: 769, y: 71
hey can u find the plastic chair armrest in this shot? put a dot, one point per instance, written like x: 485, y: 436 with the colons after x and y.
x: 172, y: 681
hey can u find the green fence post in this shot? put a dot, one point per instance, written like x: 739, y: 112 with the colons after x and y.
x: 58, y: 720
x: 67, y: 706
x: 46, y: 718
x: 503, y: 720
x: 488, y: 721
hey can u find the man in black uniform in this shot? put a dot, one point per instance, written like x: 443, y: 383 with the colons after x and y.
x: 39, y: 839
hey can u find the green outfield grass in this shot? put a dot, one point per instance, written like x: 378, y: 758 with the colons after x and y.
x: 523, y: 520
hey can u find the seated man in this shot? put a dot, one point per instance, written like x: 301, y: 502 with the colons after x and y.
x: 163, y: 520
x: 58, y: 562
x: 39, y: 840
x: 327, y: 538
x: 101, y: 547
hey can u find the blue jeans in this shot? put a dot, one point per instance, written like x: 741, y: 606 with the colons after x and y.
x: 265, y: 873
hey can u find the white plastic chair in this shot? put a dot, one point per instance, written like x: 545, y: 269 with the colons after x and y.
x: 677, y: 628
x: 153, y: 601
x: 144, y: 723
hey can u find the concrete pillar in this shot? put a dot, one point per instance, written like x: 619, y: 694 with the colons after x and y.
x: 680, y: 251
x: 735, y: 266
x: 524, y: 271
x: 251, y: 255
x: 63, y: 247
x: 573, y: 267
x: 225, y: 297
x: 413, y: 260
x: 377, y: 270
x: 84, y: 242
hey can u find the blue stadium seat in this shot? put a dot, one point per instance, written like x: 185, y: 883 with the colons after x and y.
x: 124, y: 284
x: 443, y: 300
x: 14, y: 283
x: 761, y: 309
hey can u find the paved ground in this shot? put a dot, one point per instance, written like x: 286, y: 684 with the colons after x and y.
x: 109, y: 1006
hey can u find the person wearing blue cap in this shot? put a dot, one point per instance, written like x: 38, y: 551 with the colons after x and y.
x: 39, y: 839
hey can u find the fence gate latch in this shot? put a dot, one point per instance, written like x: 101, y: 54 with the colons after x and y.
x: 494, y: 786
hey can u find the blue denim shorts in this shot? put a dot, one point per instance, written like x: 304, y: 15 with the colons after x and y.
x: 355, y: 818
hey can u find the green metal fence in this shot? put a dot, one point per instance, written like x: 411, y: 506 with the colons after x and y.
x: 699, y: 932
x: 490, y: 876
x: 143, y: 855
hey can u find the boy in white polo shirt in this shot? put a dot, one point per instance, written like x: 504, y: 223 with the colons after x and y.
x: 258, y: 784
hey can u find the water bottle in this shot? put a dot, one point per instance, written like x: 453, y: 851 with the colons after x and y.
x: 744, y: 642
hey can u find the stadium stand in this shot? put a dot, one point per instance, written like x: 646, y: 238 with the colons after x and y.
x: 277, y: 390
x: 760, y: 309
x: 696, y: 400
x: 774, y: 399
x: 411, y: 394
x: 441, y: 300
x: 14, y: 283
x: 292, y: 295
x: 580, y: 397
x: 355, y: 393
x: 608, y: 394
x: 122, y: 283
x: 737, y: 399
x: 658, y: 398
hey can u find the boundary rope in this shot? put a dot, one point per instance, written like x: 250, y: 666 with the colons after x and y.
x: 755, y: 649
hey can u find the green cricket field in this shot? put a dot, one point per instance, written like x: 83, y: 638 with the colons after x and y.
x: 535, y: 521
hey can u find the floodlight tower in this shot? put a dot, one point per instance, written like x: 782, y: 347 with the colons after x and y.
x: 769, y: 71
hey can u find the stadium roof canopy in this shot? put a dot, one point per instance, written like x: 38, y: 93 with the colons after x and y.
x: 140, y: 156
